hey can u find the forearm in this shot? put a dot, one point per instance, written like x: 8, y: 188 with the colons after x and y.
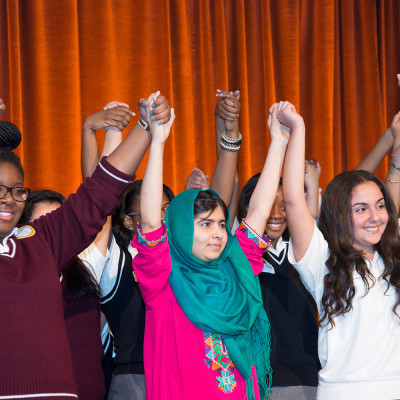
x: 377, y: 154
x: 152, y: 190
x: 129, y: 154
x: 264, y: 193
x: 312, y: 200
x: 89, y: 152
x: 223, y: 178
x: 392, y: 181
x: 300, y: 221
x: 234, y: 201
x: 112, y: 140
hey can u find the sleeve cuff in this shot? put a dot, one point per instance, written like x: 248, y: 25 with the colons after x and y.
x: 263, y: 242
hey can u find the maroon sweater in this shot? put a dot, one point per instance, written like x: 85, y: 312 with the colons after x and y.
x: 35, y: 359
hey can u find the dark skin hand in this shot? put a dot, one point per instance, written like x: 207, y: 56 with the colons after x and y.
x: 161, y: 110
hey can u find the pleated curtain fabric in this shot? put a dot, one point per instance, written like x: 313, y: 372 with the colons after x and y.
x: 64, y: 60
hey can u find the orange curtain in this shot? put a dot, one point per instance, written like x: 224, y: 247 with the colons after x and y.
x: 63, y: 60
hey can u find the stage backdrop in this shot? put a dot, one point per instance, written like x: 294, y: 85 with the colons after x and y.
x: 63, y: 60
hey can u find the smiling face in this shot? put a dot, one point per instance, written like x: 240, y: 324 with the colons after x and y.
x: 10, y: 210
x: 277, y: 222
x: 369, y: 216
x: 210, y: 237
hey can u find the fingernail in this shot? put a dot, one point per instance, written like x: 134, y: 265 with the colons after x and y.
x: 153, y: 106
x: 151, y: 113
x: 144, y: 102
x: 159, y: 123
x: 153, y: 118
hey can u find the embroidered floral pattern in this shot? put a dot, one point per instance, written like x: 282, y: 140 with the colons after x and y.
x: 219, y: 360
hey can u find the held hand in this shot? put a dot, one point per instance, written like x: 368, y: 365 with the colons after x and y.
x: 197, y: 180
x: 226, y: 93
x: 2, y: 106
x: 312, y: 173
x: 398, y: 79
x: 288, y: 116
x: 160, y: 111
x: 275, y: 127
x: 228, y: 106
x: 117, y: 117
x: 159, y: 132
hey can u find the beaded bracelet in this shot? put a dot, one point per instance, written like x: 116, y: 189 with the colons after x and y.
x: 229, y: 147
x: 263, y: 242
x: 226, y: 139
x: 151, y: 243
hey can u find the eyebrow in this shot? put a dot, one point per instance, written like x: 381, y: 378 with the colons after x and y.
x: 365, y: 204
x: 210, y: 220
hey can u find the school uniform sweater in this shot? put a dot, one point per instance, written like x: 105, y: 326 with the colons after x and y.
x: 35, y: 360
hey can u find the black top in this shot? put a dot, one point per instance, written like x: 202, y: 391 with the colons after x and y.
x: 125, y: 312
x: 293, y: 316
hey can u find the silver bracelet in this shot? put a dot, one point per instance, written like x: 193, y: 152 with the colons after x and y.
x: 229, y: 147
x: 237, y: 141
x: 144, y: 124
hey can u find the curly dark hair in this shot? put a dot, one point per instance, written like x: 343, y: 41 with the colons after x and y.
x: 336, y: 224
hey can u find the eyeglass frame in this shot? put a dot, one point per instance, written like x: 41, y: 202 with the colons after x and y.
x: 10, y: 190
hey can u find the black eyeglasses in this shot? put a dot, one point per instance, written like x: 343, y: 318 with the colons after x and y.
x: 18, y: 193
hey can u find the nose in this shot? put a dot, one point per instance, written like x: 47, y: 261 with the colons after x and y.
x: 373, y: 215
x: 276, y: 212
x: 218, y: 232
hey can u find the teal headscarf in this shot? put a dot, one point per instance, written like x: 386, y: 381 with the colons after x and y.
x: 222, y: 296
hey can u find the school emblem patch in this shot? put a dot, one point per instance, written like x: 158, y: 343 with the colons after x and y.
x: 24, y: 232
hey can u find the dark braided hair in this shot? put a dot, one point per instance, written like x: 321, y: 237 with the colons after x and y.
x: 10, y: 138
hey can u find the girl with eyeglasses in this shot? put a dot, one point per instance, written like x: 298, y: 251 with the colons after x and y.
x: 35, y: 360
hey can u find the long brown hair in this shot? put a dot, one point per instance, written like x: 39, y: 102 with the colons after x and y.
x: 336, y: 224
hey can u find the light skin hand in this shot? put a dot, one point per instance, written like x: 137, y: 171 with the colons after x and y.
x: 161, y: 112
x: 288, y: 116
x: 2, y: 106
x: 398, y: 79
x: 274, y: 126
x: 197, y: 180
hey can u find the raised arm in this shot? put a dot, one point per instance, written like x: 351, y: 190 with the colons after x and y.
x: 264, y: 193
x: 311, y: 185
x: 114, y: 120
x: 372, y: 160
x: 128, y: 155
x: 393, y: 176
x: 300, y: 220
x: 152, y: 186
x: 228, y: 144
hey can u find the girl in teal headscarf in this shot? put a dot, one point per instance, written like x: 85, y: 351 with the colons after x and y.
x: 207, y: 334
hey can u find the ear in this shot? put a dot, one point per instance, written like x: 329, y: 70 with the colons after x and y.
x: 128, y: 223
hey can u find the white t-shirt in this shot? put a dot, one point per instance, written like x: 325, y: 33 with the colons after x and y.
x: 360, y: 355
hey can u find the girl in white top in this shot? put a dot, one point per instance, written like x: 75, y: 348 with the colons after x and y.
x: 350, y: 263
